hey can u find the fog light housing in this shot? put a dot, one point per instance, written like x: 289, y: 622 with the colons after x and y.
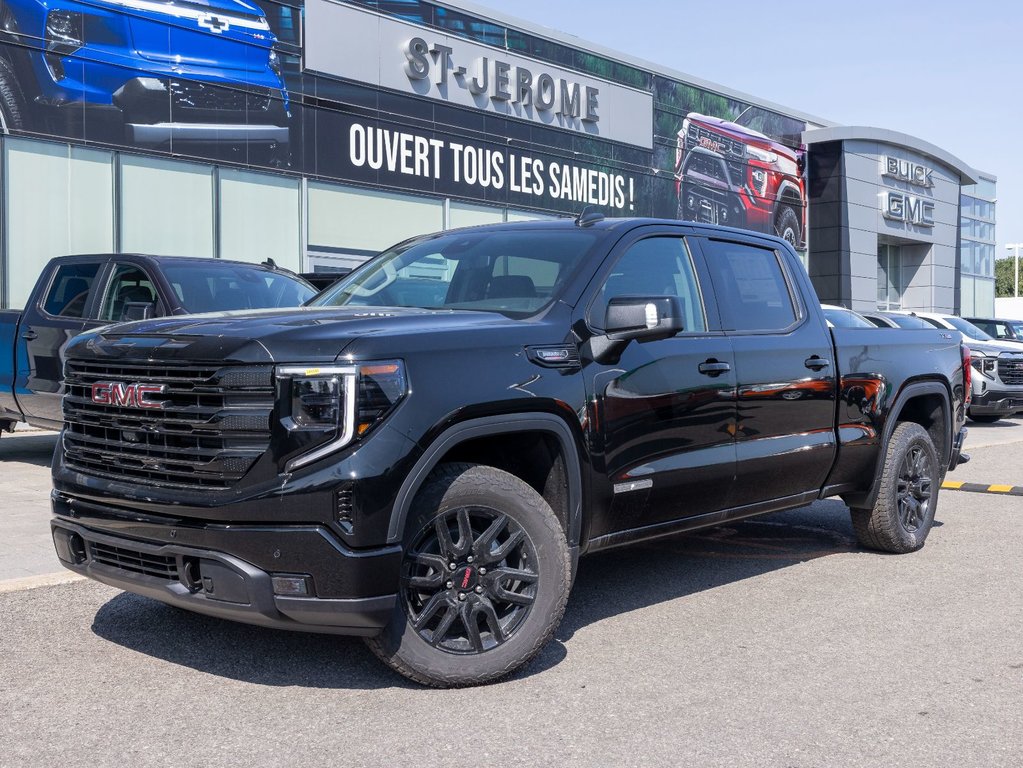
x: 70, y: 547
x: 290, y: 585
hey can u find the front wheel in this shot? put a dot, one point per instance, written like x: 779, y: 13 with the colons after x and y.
x: 484, y: 580
x: 904, y: 511
x: 786, y: 226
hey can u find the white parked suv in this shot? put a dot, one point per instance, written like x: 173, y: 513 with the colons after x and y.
x: 997, y: 368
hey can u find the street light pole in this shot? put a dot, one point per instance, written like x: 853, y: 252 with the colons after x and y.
x: 1015, y: 247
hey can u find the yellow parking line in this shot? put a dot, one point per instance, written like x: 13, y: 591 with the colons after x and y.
x: 952, y: 484
x: 999, y: 488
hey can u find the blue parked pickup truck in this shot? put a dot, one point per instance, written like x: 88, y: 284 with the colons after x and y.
x: 80, y: 293
x: 150, y: 73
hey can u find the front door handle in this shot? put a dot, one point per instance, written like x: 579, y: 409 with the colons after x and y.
x: 714, y: 367
x: 815, y: 363
x: 30, y: 335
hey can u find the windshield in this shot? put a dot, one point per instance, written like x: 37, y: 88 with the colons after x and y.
x: 968, y: 329
x: 514, y: 272
x: 221, y: 287
x: 910, y: 321
x: 846, y: 318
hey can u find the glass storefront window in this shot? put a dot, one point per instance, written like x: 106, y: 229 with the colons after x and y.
x: 889, y: 277
x: 166, y: 207
x: 59, y: 201
x: 465, y: 215
x: 259, y: 218
x: 365, y: 220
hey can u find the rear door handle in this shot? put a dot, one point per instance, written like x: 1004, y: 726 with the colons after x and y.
x: 30, y: 335
x: 816, y: 363
x: 714, y: 367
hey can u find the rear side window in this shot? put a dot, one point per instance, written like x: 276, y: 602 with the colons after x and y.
x: 69, y: 290
x: 753, y: 294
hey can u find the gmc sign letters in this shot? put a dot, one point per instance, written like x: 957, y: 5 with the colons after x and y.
x: 897, y: 206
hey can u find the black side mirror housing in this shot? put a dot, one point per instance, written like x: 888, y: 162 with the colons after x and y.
x: 643, y: 318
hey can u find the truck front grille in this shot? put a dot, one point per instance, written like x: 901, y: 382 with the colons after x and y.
x: 159, y: 566
x: 716, y: 142
x: 1010, y: 371
x: 191, y: 95
x: 211, y: 425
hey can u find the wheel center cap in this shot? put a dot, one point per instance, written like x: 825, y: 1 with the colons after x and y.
x: 465, y: 578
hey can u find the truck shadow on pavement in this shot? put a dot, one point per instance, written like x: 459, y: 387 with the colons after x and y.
x: 35, y: 449
x: 608, y: 584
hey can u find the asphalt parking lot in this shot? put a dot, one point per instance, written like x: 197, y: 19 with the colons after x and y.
x: 773, y: 642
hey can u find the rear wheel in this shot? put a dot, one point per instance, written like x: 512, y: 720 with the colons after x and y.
x: 904, y: 511
x: 484, y: 580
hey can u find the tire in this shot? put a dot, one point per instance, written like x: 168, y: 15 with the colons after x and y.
x: 12, y: 100
x: 986, y: 418
x: 462, y: 626
x: 904, y: 511
x: 786, y: 225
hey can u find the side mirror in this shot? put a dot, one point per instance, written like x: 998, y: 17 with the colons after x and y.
x: 644, y: 318
x: 136, y: 310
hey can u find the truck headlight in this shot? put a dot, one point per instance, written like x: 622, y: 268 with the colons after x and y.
x: 64, y: 36
x: 761, y: 154
x: 324, y: 408
x: 983, y: 363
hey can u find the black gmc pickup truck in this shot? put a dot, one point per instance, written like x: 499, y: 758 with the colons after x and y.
x: 420, y: 456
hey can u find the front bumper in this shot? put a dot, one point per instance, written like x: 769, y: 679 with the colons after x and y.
x: 994, y: 402
x: 227, y: 570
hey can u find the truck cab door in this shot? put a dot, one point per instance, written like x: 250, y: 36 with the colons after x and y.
x: 660, y: 418
x: 52, y: 318
x: 785, y: 371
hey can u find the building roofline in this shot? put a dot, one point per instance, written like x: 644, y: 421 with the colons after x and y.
x: 967, y: 174
x: 575, y: 42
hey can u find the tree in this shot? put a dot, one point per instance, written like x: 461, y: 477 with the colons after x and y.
x: 1005, y: 277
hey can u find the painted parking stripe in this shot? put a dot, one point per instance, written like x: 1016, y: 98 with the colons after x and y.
x: 1004, y: 490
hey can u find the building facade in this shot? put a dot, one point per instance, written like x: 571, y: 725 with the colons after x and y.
x: 317, y: 133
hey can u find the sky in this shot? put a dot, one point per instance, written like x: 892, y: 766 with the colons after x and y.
x: 934, y: 70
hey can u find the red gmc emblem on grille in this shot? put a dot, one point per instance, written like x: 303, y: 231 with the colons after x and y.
x: 127, y: 395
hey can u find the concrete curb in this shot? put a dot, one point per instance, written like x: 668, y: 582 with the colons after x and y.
x: 35, y: 582
x: 1003, y: 490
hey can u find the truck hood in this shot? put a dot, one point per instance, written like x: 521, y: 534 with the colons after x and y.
x: 994, y: 348
x: 218, y: 34
x: 293, y: 335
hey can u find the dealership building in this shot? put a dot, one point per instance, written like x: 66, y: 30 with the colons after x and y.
x: 317, y: 133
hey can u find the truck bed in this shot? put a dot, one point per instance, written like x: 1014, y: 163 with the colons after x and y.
x: 9, y: 410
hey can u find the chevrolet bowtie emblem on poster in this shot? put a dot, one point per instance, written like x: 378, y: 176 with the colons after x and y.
x: 213, y: 23
x: 119, y: 393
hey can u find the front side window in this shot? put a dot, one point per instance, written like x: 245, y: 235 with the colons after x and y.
x: 654, y: 266
x: 516, y: 273
x: 129, y: 285
x: 69, y: 290
x: 753, y: 294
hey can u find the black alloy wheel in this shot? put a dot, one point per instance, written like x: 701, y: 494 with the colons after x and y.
x: 469, y: 580
x: 914, y: 489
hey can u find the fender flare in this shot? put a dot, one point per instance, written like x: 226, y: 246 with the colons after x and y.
x: 487, y: 427
x: 916, y: 389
